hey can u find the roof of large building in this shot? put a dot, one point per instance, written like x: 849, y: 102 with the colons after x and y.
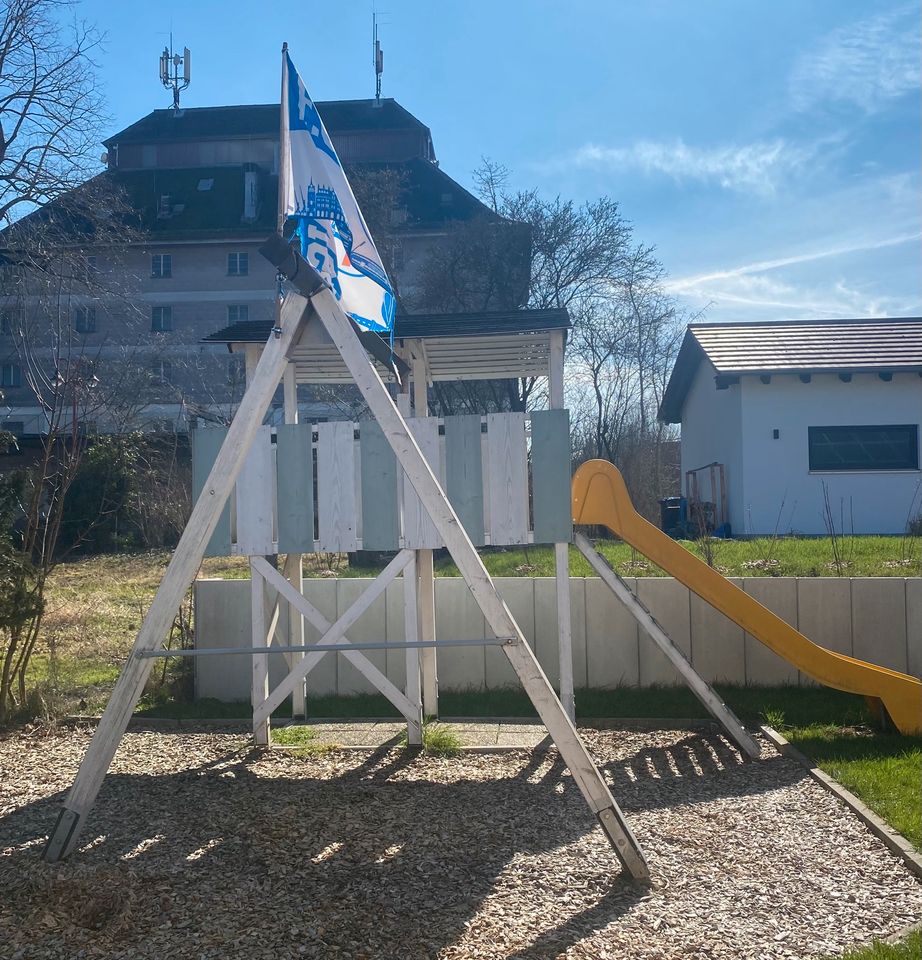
x: 261, y: 120
x: 793, y: 346
x: 202, y: 203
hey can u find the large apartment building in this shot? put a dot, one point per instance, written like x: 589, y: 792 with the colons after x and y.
x: 202, y: 186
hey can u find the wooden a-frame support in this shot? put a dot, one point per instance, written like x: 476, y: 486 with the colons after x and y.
x: 315, y: 302
x: 708, y: 696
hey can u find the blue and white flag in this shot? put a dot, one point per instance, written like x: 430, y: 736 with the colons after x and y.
x: 334, y: 237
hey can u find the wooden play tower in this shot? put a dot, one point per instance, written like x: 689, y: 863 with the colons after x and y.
x: 259, y: 499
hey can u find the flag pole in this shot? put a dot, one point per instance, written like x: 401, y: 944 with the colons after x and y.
x: 283, y: 165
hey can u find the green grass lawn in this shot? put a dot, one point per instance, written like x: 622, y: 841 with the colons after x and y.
x: 908, y: 949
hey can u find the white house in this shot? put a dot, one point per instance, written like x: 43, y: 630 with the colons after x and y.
x: 813, y: 421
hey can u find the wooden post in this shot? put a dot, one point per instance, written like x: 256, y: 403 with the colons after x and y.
x: 590, y: 781
x: 294, y: 569
x: 411, y: 621
x: 426, y: 568
x: 411, y: 610
x: 259, y: 690
x: 179, y: 574
x: 562, y: 550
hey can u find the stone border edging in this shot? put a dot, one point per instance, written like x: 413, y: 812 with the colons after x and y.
x: 894, y: 841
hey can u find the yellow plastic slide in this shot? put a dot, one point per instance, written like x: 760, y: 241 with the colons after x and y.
x: 600, y: 497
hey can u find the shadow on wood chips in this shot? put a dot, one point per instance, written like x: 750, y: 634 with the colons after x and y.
x: 367, y: 856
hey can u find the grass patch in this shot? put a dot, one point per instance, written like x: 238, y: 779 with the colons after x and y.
x: 303, y: 740
x: 908, y: 949
x: 294, y: 736
x: 439, y: 740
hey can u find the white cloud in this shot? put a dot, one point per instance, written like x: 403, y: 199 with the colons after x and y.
x: 682, y: 284
x: 868, y: 63
x: 755, y: 167
x: 768, y: 289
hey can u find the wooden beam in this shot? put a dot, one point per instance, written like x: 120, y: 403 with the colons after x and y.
x: 334, y: 637
x: 294, y: 568
x: 260, y: 685
x: 696, y: 683
x: 411, y: 630
x: 179, y: 574
x: 425, y: 561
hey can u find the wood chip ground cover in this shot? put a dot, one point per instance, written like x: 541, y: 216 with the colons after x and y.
x: 201, y: 847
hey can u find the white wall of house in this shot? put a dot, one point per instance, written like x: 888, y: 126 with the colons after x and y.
x: 711, y: 431
x: 769, y: 482
x: 777, y: 480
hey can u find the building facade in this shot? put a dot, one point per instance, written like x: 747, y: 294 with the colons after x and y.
x: 202, y: 186
x: 816, y: 424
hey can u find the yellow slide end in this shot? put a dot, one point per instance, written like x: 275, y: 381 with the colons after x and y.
x: 600, y: 497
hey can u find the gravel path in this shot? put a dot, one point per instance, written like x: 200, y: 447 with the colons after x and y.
x: 202, y: 847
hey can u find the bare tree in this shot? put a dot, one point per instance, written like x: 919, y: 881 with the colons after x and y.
x: 50, y: 113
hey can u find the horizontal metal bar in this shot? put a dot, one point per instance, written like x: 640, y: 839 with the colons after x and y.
x: 326, y: 647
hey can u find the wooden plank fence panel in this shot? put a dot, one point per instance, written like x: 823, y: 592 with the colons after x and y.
x: 550, y: 472
x: 206, y: 442
x: 419, y: 532
x: 254, y: 498
x: 464, y: 473
x: 335, y: 486
x: 380, y: 517
x: 294, y: 461
x: 508, y: 478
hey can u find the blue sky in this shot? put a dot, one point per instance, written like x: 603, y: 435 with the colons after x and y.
x: 770, y: 150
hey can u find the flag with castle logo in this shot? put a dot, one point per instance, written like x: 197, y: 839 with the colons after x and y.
x: 334, y: 236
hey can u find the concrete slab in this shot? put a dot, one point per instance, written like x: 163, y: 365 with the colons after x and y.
x: 717, y: 643
x: 879, y: 621
x: 763, y: 666
x: 611, y: 638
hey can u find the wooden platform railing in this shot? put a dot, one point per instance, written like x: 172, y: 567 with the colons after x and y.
x: 336, y: 487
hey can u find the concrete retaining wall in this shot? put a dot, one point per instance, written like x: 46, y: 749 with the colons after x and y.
x: 876, y: 619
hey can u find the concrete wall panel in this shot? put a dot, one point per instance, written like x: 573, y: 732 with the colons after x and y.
x: 668, y: 601
x: 611, y: 638
x: 887, y: 615
x: 879, y: 621
x: 458, y: 617
x: 717, y: 644
x: 763, y: 666
x: 914, y: 626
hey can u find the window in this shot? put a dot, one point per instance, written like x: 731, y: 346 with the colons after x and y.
x: 10, y: 375
x: 161, y: 319
x: 864, y: 447
x: 238, y: 264
x: 162, y: 371
x: 15, y: 427
x: 161, y: 265
x: 85, y: 319
x: 237, y: 312
x: 91, y: 264
x: 6, y: 323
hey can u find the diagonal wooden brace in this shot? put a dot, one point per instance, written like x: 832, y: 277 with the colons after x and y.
x: 334, y: 635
